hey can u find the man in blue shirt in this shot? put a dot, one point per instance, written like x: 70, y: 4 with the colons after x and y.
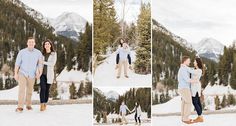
x: 184, y: 82
x: 28, y: 67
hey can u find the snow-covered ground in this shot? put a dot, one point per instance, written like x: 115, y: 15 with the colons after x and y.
x: 174, y: 105
x: 209, y: 120
x: 129, y: 124
x: 171, y: 106
x: 218, y: 90
x: 12, y: 94
x: 58, y: 115
x: 130, y: 118
x: 73, y: 76
x: 105, y: 75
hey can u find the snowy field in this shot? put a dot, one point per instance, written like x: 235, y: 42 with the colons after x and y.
x: 105, y: 75
x: 209, y: 120
x: 174, y: 105
x: 130, y: 118
x: 12, y: 94
x: 58, y: 115
x: 129, y: 124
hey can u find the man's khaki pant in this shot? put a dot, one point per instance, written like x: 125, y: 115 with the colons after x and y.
x: 123, y: 63
x: 186, y: 105
x: 123, y: 119
x: 26, y: 86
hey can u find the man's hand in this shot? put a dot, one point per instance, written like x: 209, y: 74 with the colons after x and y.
x: 37, y: 75
x: 116, y: 66
x: 130, y: 67
x: 16, y: 76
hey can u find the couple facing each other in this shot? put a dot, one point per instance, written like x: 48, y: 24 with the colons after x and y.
x: 189, y: 88
x: 31, y: 65
x: 137, y: 115
x: 123, y: 58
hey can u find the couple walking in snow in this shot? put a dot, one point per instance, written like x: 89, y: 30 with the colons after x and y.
x: 31, y: 65
x: 123, y: 58
x: 189, y: 88
x: 137, y: 110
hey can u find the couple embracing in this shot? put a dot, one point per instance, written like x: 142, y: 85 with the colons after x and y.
x: 189, y: 88
x: 31, y: 65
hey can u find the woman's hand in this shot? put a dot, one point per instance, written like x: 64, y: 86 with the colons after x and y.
x: 16, y: 76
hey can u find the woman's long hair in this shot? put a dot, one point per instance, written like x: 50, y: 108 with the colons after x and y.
x: 52, y: 47
x: 200, y: 64
x: 121, y: 44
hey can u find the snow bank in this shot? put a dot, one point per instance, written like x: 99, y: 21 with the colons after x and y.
x: 171, y: 106
x: 73, y: 76
x: 218, y: 90
x: 105, y: 75
x: 209, y: 120
x: 12, y: 94
x: 58, y: 115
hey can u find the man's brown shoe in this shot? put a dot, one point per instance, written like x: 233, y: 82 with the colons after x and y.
x: 19, y: 109
x: 29, y: 108
x: 188, y: 122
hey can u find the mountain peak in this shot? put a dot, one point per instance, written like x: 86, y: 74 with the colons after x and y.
x: 112, y: 95
x: 37, y: 16
x: 183, y: 42
x: 209, y: 48
x: 69, y: 24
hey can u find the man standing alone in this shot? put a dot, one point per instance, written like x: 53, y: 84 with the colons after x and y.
x: 28, y: 67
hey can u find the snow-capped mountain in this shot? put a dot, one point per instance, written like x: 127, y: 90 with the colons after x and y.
x: 209, y: 48
x: 33, y: 13
x: 69, y: 24
x: 157, y: 26
x: 112, y: 95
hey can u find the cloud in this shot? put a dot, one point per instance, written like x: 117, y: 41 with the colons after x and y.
x: 197, y: 19
x: 132, y: 9
x: 53, y: 8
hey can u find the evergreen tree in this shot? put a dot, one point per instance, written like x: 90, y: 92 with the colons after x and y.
x: 70, y: 56
x: 224, y: 67
x: 81, y: 91
x: 53, y: 91
x: 84, y: 49
x: 88, y: 88
x: 224, y: 102
x: 143, y: 53
x: 233, y: 74
x: 106, y: 28
x: 72, y: 91
x: 98, y: 118
x: 231, y: 99
x: 1, y: 84
x: 217, y: 103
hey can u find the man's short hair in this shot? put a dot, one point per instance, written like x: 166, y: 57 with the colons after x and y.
x: 30, y: 38
x: 184, y: 58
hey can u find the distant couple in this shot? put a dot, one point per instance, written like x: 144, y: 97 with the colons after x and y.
x: 137, y: 110
x: 189, y: 89
x: 123, y: 58
x: 30, y: 66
